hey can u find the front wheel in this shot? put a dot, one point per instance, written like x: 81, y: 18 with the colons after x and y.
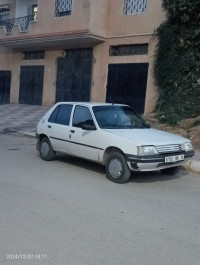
x: 171, y: 170
x: 117, y: 169
x: 46, y: 151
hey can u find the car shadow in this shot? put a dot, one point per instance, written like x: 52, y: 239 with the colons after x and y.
x: 136, y: 177
x: 155, y: 176
x: 78, y: 162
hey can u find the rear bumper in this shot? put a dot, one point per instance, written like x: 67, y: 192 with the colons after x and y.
x: 155, y: 162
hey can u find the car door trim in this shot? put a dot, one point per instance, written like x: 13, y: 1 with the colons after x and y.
x: 63, y: 140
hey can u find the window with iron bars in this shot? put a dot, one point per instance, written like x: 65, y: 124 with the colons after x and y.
x: 33, y: 55
x: 63, y: 8
x: 134, y: 6
x: 126, y: 50
x: 4, y: 15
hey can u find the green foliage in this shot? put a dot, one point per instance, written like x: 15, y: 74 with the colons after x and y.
x: 177, y: 61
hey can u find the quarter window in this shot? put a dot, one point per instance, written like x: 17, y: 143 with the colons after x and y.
x: 63, y: 8
x: 61, y: 115
x: 82, y: 116
x: 134, y: 6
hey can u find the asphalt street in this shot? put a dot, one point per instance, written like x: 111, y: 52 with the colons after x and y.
x: 66, y: 212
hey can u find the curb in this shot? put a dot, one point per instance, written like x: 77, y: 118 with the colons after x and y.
x: 192, y: 165
x: 10, y: 131
x: 32, y: 134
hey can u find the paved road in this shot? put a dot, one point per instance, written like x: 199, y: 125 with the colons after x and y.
x: 66, y: 212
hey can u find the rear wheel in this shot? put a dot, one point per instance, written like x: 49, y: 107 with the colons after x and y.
x: 117, y: 169
x: 46, y: 151
x: 171, y: 170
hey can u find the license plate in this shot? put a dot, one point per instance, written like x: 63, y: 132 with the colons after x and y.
x: 173, y: 159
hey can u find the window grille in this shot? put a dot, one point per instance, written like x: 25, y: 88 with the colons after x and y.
x: 134, y: 6
x: 133, y: 49
x: 4, y: 15
x: 34, y: 55
x: 22, y: 22
x: 63, y: 8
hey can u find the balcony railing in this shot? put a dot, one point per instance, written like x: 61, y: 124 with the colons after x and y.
x: 22, y: 22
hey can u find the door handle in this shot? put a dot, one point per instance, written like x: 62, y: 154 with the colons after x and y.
x: 72, y: 131
x: 49, y: 126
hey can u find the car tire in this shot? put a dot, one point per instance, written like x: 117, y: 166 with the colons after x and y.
x: 46, y: 151
x: 171, y: 170
x: 117, y: 169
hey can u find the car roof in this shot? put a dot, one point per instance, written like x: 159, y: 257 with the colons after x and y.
x: 92, y: 104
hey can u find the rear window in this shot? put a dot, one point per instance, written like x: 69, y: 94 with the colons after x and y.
x: 61, y: 115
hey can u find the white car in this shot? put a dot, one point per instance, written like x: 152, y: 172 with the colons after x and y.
x: 112, y: 135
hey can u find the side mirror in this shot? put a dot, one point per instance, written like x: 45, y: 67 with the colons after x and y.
x: 88, y: 127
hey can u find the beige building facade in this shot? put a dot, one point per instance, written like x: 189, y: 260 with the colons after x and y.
x: 78, y: 50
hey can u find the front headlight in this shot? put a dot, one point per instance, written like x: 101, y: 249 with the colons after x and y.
x: 187, y: 147
x: 146, y: 150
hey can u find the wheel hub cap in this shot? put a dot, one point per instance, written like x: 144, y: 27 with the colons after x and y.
x: 44, y: 149
x: 115, y: 168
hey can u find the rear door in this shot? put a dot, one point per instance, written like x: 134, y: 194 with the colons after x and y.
x: 58, y: 128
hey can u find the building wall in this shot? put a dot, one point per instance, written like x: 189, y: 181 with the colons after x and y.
x: 48, y: 23
x: 102, y: 60
x: 122, y: 30
x: 103, y: 18
x: 21, y: 8
x: 135, y: 24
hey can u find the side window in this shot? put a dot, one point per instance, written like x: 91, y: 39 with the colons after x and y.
x: 53, y: 116
x: 82, y: 116
x: 61, y: 115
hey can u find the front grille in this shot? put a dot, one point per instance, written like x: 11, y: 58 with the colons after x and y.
x: 164, y: 149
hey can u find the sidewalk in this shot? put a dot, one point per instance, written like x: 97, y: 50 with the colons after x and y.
x: 194, y: 163
x: 22, y: 119
x: 19, y: 118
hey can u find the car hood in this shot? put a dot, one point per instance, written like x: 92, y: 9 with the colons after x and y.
x: 149, y: 136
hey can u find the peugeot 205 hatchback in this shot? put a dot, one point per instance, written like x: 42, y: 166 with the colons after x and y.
x: 110, y: 134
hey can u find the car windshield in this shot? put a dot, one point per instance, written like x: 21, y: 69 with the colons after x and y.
x: 118, y: 117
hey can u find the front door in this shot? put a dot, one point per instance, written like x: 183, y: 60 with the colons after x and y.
x: 83, y: 143
x: 31, y: 85
x: 74, y: 76
x: 127, y: 84
x: 5, y: 79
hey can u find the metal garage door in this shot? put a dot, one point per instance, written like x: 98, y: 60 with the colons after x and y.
x: 5, y: 79
x: 127, y: 84
x: 74, y: 76
x: 31, y: 85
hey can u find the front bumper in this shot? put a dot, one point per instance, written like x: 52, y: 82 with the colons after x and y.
x: 155, y: 162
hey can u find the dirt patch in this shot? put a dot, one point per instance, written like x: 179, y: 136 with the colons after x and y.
x: 189, y: 128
